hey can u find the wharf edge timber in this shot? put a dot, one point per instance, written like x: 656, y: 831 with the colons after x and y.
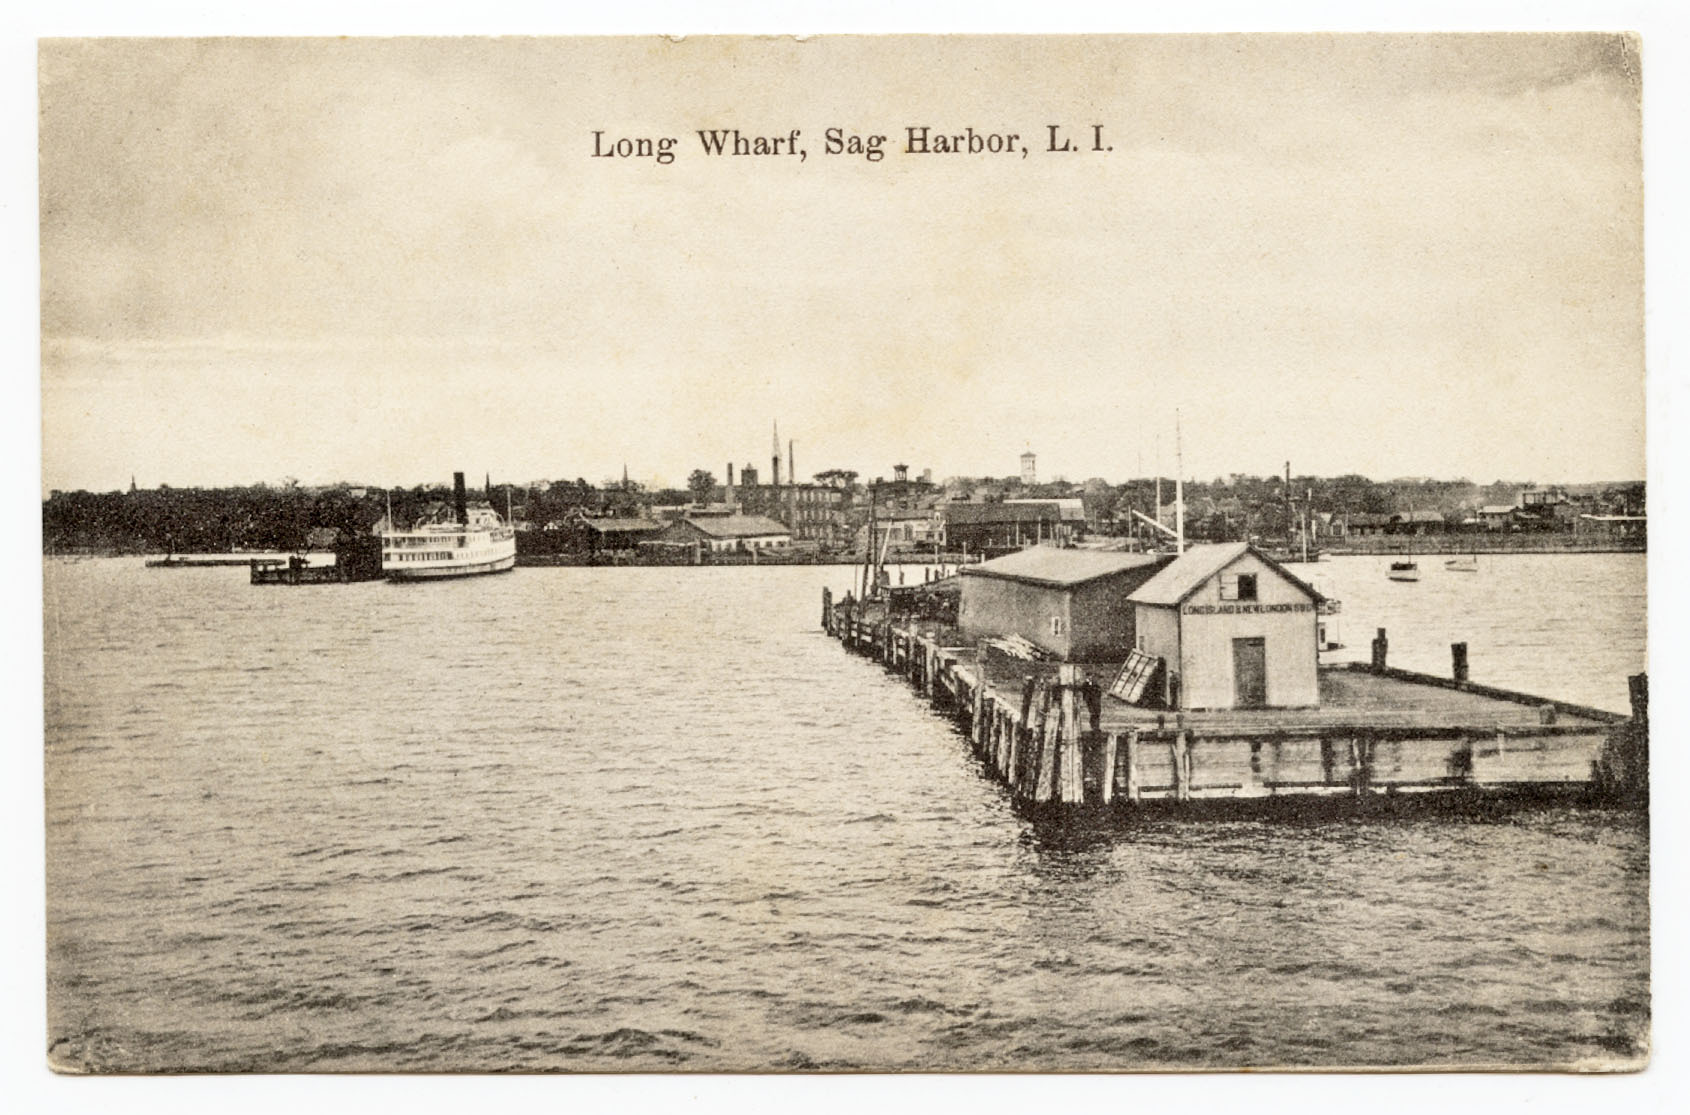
x: 1049, y: 733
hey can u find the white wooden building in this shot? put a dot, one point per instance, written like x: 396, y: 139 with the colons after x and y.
x: 1233, y: 630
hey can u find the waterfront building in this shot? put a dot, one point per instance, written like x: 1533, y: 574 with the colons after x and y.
x: 723, y: 533
x: 1415, y: 522
x: 1232, y: 628
x: 1365, y: 524
x: 609, y: 535
x: 1497, y: 516
x: 984, y: 527
x: 907, y: 527
x: 1613, y: 526
x: 1069, y: 509
x: 1073, y: 603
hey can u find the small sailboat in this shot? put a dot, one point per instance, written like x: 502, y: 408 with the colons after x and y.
x: 1404, y: 571
x: 1468, y: 564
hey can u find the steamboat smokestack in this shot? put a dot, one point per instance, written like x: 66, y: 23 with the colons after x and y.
x: 459, y: 502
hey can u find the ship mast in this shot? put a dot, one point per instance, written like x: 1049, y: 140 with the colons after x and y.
x: 1179, y: 488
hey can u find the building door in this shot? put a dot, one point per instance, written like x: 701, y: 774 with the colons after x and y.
x: 1249, y: 673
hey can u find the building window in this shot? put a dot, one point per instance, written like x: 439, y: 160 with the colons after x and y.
x: 1058, y: 625
x: 1240, y: 587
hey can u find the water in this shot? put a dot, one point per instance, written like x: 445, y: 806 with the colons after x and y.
x: 644, y: 819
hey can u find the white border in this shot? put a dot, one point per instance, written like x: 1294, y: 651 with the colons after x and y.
x: 28, y: 1085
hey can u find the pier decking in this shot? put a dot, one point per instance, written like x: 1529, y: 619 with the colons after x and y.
x: 1053, y: 736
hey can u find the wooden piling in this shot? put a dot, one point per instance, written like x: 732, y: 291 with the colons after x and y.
x: 1072, y: 781
x: 1132, y: 765
x: 1458, y: 660
x: 1381, y: 645
x: 1043, y: 757
x: 827, y: 610
x: 1638, y: 687
x: 1010, y: 736
x: 977, y: 725
x: 1106, y: 783
x: 1181, y: 749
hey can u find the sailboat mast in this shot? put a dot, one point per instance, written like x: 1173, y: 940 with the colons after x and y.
x: 1157, y: 510
x: 1179, y: 486
x: 1288, y: 511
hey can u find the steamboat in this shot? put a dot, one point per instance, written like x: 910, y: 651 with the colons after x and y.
x: 462, y: 541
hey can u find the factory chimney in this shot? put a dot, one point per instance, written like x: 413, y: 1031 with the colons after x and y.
x: 459, y: 503
x: 729, y: 497
x: 775, y: 458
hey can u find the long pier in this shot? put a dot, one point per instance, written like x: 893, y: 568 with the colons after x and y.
x: 1049, y: 733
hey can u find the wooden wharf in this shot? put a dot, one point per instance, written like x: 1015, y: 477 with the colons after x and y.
x: 1050, y: 733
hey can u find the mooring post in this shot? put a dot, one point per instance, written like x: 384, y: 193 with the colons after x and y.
x: 827, y: 609
x: 1181, y: 749
x: 1106, y: 783
x: 1458, y: 660
x: 1380, y: 646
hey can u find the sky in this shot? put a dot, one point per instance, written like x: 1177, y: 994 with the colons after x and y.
x: 382, y: 260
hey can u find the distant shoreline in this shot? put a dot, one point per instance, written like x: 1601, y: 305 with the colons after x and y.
x: 1369, y: 547
x: 1395, y: 545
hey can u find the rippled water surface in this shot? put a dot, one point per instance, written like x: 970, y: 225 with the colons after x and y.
x: 640, y: 819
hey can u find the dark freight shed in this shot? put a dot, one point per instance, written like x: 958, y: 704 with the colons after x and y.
x: 990, y: 526
x: 1072, y: 603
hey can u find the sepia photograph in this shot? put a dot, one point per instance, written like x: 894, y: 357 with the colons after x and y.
x: 1067, y: 553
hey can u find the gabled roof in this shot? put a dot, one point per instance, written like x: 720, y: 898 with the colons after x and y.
x: 1192, y: 569
x: 1048, y: 565
x: 738, y: 526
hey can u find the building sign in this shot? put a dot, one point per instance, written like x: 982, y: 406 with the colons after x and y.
x: 1231, y: 609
